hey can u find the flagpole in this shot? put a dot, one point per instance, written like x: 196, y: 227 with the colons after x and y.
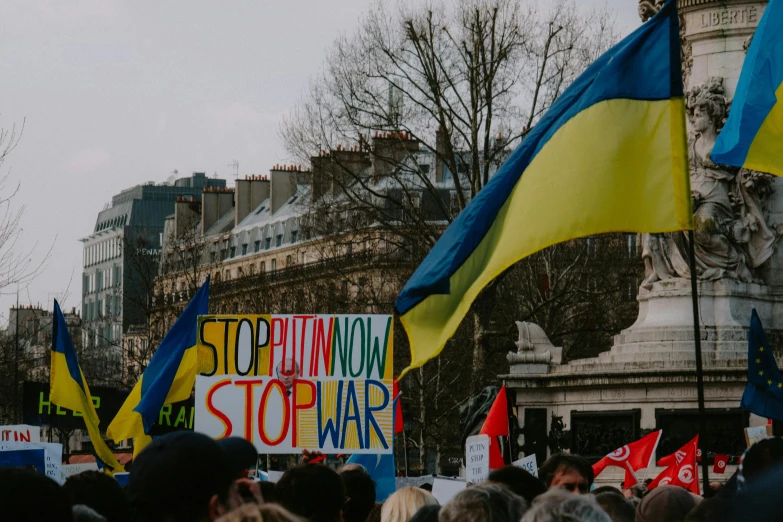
x: 699, y: 366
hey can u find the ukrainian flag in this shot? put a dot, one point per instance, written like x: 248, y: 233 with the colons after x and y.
x: 753, y: 134
x: 68, y: 389
x: 168, y: 378
x: 610, y: 155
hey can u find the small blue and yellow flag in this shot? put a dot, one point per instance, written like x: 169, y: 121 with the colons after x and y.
x: 753, y: 134
x: 169, y: 377
x: 764, y: 392
x: 68, y: 389
x: 610, y: 155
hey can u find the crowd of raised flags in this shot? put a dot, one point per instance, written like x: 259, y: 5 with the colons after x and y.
x: 632, y: 177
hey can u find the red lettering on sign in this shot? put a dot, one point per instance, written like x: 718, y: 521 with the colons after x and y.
x: 262, y: 413
x: 249, y: 405
x: 216, y: 412
x: 298, y: 406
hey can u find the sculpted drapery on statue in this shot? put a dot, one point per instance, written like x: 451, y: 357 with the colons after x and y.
x: 732, y: 237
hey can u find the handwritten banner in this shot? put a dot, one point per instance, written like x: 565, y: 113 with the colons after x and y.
x: 293, y: 382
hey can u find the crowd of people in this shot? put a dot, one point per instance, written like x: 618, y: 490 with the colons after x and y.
x: 188, y: 477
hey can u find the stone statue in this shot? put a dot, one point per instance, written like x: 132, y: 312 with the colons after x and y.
x: 648, y: 8
x: 732, y: 237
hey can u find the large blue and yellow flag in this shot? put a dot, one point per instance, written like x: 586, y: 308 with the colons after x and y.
x: 764, y: 392
x: 169, y: 377
x: 753, y: 134
x: 68, y: 388
x: 610, y: 155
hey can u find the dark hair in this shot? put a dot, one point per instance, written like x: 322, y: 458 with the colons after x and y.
x: 98, y: 491
x: 426, y: 487
x: 375, y: 513
x: 607, y: 489
x: 519, y: 481
x: 312, y: 491
x: 428, y: 513
x: 560, y: 462
x: 359, y: 495
x: 487, y: 502
x: 268, y: 492
x: 28, y: 496
x: 761, y: 457
x: 715, y: 509
x: 616, y: 506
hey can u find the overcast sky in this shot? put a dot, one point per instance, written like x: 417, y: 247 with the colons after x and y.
x: 118, y: 92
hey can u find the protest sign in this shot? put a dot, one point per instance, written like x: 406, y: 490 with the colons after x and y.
x: 54, y: 456
x: 477, y: 458
x: 528, y: 463
x: 75, y: 469
x: 294, y: 382
x: 25, y: 458
x: 446, y: 489
x: 273, y: 476
x: 37, y: 409
x: 757, y: 433
x: 20, y: 433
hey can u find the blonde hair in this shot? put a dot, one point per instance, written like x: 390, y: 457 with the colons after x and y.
x: 262, y: 513
x: 404, y: 503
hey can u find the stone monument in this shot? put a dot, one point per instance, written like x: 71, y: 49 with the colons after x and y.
x: 647, y: 379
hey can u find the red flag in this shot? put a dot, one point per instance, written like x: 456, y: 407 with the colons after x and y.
x: 399, y: 425
x: 496, y: 425
x: 681, y: 470
x: 634, y: 456
x: 720, y: 464
x: 630, y: 477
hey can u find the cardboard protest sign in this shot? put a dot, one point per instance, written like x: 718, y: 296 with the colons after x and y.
x: 757, y: 433
x: 528, y: 463
x: 26, y: 458
x: 477, y: 458
x: 75, y: 469
x: 20, y: 433
x: 54, y: 456
x: 446, y: 489
x: 294, y: 382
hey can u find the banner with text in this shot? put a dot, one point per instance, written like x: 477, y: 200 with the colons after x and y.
x: 293, y: 382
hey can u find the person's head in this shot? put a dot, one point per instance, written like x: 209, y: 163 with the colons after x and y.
x: 404, y: 503
x: 287, y: 370
x: 82, y: 513
x: 260, y: 513
x: 182, y: 476
x: 28, y: 496
x: 487, y: 502
x: 616, y: 506
x: 428, y: 513
x: 606, y: 489
x: 715, y: 509
x: 760, y: 458
x: 666, y: 504
x: 312, y: 491
x: 268, y: 491
x: 569, y: 472
x: 561, y: 506
x: 375, y: 513
x: 519, y: 481
x: 359, y: 494
x: 98, y: 491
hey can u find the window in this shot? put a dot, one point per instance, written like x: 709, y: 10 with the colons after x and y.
x: 279, y: 240
x: 274, y: 265
x: 233, y: 251
x: 257, y: 246
x: 425, y: 169
x: 591, y: 247
x: 116, y: 277
x: 131, y: 343
x: 99, y: 282
x: 267, y: 243
x: 240, y: 273
x: 228, y: 275
x: 252, y: 270
x: 288, y: 260
x: 223, y: 253
x: 294, y: 234
x: 630, y: 242
x: 262, y: 267
x: 244, y: 249
x: 211, y: 258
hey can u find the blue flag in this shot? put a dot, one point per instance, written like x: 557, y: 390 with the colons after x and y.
x: 752, y: 135
x: 764, y: 391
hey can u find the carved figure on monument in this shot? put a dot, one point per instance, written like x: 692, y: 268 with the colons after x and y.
x: 732, y: 237
x: 648, y: 8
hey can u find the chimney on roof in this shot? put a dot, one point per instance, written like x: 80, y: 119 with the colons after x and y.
x: 215, y: 203
x: 250, y: 192
x: 187, y: 212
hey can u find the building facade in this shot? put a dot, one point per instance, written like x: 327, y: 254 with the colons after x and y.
x: 120, y: 261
